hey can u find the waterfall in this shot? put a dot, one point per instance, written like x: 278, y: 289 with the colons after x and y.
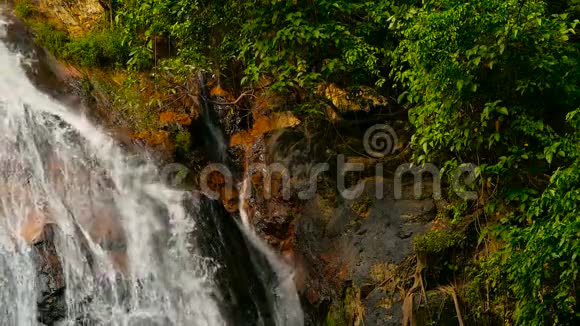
x: 89, y: 235
x: 122, y: 239
x: 286, y: 302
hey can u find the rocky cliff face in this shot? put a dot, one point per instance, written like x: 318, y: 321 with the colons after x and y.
x: 353, y: 257
x: 77, y: 17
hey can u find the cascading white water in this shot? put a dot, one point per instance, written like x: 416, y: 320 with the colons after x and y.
x: 287, y: 302
x: 122, y: 238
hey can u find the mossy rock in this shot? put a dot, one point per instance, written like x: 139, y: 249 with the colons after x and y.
x: 347, y: 312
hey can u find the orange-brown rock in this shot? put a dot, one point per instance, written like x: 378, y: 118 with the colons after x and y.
x: 263, y: 125
x: 180, y: 118
x: 105, y: 228
x: 218, y: 91
x: 33, y: 227
x: 153, y: 138
x: 344, y: 100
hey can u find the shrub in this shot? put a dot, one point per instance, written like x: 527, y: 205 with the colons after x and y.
x: 53, y: 39
x: 24, y: 9
x: 437, y: 241
x: 100, y: 48
x: 97, y: 49
x: 183, y: 141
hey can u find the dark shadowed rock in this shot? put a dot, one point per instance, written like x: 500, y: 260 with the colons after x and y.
x: 51, y: 300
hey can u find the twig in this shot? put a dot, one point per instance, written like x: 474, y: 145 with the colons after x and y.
x: 244, y: 94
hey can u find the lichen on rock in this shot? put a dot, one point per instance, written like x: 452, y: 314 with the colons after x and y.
x: 77, y: 17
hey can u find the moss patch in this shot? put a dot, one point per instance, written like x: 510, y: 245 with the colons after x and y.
x: 24, y: 8
x: 349, y: 311
x: 362, y: 206
x: 437, y: 241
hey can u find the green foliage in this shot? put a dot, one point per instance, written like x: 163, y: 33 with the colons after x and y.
x: 494, y: 81
x: 362, y: 206
x: 302, y: 43
x: 24, y: 8
x: 97, y: 49
x: 198, y: 29
x: 437, y: 241
x: 183, y: 141
x: 484, y: 77
x: 487, y: 292
x: 50, y: 37
x: 349, y: 311
x: 543, y: 258
x: 298, y: 44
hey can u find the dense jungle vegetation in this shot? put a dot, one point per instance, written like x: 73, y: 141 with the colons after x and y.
x: 493, y: 82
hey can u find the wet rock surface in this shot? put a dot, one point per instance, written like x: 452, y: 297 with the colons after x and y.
x: 353, y: 257
x: 51, y: 300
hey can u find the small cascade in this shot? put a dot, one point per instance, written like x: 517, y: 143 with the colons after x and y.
x: 215, y: 137
x: 275, y: 274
